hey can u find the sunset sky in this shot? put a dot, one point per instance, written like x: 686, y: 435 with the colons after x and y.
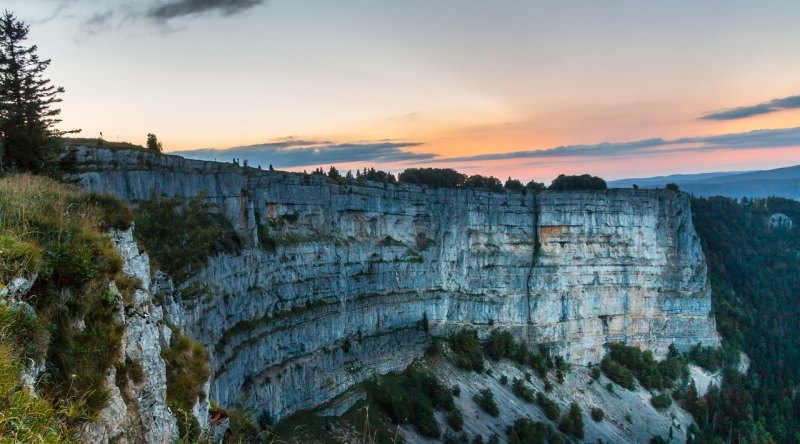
x: 530, y: 89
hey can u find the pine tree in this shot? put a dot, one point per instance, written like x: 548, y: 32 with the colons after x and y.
x: 153, y: 144
x: 27, y: 102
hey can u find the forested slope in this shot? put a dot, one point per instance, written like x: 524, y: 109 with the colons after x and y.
x: 754, y: 270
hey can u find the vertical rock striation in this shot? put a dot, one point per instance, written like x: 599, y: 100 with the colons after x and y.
x: 344, y: 296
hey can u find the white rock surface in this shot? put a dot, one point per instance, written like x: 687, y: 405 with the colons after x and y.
x: 141, y: 413
x: 618, y: 407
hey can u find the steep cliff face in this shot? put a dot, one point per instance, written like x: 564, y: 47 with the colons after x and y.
x: 137, y: 411
x: 359, y: 271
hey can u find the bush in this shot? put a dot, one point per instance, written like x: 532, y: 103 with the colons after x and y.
x: 525, y: 431
x: 623, y: 363
x: 582, y: 182
x: 549, y: 406
x: 180, y: 237
x: 114, y: 214
x: 412, y: 396
x: 598, y: 414
x: 617, y: 373
x: 467, y: 350
x: 187, y: 372
x: 661, y: 401
x: 455, y: 420
x: 572, y: 422
x: 485, y: 401
x: 503, y: 379
x: 499, y: 345
x: 522, y: 391
x: 595, y: 372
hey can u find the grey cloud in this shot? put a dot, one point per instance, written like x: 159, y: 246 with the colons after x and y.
x: 181, y: 8
x: 754, y: 110
x: 296, y: 153
x: 767, y: 138
x: 100, y: 21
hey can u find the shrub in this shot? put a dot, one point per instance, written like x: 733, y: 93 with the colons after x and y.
x: 617, y: 373
x: 412, y: 396
x: 623, y: 363
x: 598, y: 414
x: 455, y: 420
x: 661, y: 401
x: 522, y: 391
x: 485, y: 401
x: 709, y: 358
x: 572, y: 422
x: 456, y: 391
x: 114, y: 214
x: 181, y: 236
x: 548, y: 386
x: 503, y: 379
x: 499, y: 345
x: 595, y: 373
x: 187, y: 373
x: 549, y: 406
x: 466, y: 348
x: 525, y: 431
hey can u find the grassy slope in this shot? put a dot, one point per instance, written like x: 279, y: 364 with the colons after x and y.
x: 54, y: 231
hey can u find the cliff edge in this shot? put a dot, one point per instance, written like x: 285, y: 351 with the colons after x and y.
x: 364, y: 273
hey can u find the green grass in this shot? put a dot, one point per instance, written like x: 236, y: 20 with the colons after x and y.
x: 187, y: 373
x: 24, y: 417
x: 55, y: 231
x: 97, y: 143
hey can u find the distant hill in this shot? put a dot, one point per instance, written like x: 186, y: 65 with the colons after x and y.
x: 784, y: 182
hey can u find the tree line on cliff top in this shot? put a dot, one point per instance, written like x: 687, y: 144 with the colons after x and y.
x: 450, y: 178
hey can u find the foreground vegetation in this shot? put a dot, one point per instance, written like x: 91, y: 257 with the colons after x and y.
x: 54, y: 233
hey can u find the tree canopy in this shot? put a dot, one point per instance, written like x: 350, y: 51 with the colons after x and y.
x: 28, y: 111
x: 582, y: 182
x: 153, y: 144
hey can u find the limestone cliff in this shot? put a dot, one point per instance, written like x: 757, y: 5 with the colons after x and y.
x: 344, y: 293
x: 136, y: 411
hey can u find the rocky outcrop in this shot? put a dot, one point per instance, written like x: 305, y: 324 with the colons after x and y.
x: 362, y: 274
x: 136, y: 410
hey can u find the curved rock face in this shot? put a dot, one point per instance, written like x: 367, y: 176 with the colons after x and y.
x: 369, y: 271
